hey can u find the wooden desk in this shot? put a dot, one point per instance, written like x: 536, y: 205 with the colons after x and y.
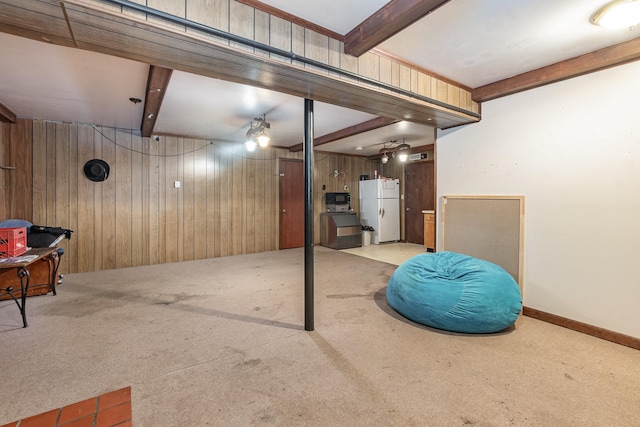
x: 20, y: 266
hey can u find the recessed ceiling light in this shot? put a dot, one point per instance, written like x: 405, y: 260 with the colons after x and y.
x: 618, y: 15
x: 358, y: 148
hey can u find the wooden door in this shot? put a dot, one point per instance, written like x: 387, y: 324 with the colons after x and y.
x: 291, y: 203
x: 419, y: 195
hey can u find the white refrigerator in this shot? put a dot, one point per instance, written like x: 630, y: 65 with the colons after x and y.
x: 380, y: 208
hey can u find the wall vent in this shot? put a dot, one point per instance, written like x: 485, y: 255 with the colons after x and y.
x: 417, y: 156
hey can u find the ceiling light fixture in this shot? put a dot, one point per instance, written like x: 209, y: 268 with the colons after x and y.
x: 618, y: 15
x: 403, y: 152
x: 251, y: 145
x: 384, y: 158
x: 257, y: 134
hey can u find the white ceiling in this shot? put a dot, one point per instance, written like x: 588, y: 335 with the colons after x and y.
x: 469, y: 41
x: 479, y: 42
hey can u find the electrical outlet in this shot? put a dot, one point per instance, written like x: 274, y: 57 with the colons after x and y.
x: 346, y: 188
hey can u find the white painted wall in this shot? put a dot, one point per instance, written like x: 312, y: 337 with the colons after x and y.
x: 573, y: 150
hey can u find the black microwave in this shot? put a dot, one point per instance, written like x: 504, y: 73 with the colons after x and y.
x: 337, y: 198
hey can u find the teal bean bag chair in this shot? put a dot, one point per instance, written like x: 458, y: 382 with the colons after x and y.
x: 455, y: 292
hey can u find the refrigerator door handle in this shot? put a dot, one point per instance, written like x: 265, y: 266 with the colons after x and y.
x: 382, y: 210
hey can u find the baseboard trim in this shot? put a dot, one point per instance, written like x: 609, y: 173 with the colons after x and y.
x: 595, y: 331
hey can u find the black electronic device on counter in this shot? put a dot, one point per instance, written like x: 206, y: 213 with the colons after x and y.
x: 337, y: 202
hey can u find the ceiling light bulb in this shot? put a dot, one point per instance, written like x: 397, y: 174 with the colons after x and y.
x: 251, y: 145
x: 263, y: 140
x: 384, y: 158
x: 403, y: 157
x: 618, y: 15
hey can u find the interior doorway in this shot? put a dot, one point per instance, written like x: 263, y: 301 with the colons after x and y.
x: 419, y: 195
x: 291, y: 185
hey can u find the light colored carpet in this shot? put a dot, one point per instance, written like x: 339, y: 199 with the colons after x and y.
x: 393, y: 253
x: 220, y: 342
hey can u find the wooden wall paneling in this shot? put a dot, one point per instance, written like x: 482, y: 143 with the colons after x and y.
x: 297, y: 42
x: 4, y: 179
x: 61, y: 194
x: 334, y: 51
x: 434, y: 88
x: 188, y: 200
x: 238, y: 224
x: 48, y: 214
x: 20, y: 179
x: 5, y: 174
x: 316, y: 47
x: 262, y: 30
x: 318, y: 193
x: 181, y: 219
x: 139, y: 215
x: 162, y: 201
x: 213, y: 204
x: 404, y: 77
x: 213, y: 201
x: 441, y: 94
x: 362, y: 166
x: 424, y: 85
x: 453, y: 95
x: 174, y: 7
x: 395, y: 74
x: 259, y: 223
x: 414, y: 81
x: 386, y: 71
x: 369, y: 66
x: 225, y: 206
x: 71, y: 245
x: 271, y: 201
x: 171, y: 200
x: 84, y: 232
x: 200, y: 210
x: 241, y: 23
x: 123, y: 195
x: 213, y: 13
x: 153, y: 200
x: 126, y: 10
x: 138, y: 231
x: 348, y: 63
x: 280, y: 36
x: 97, y: 206
x: 250, y: 201
x: 108, y: 237
x: 465, y: 100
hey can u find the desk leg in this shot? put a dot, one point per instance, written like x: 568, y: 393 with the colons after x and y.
x: 55, y: 260
x: 25, y: 278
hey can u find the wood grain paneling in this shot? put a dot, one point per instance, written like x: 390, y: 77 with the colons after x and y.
x: 18, y: 155
x: 227, y: 202
x: 4, y: 141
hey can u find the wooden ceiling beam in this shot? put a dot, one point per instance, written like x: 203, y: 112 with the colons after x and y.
x: 363, y: 127
x: 129, y: 37
x: 394, y: 17
x: 157, y: 83
x: 589, y: 62
x: 6, y: 115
